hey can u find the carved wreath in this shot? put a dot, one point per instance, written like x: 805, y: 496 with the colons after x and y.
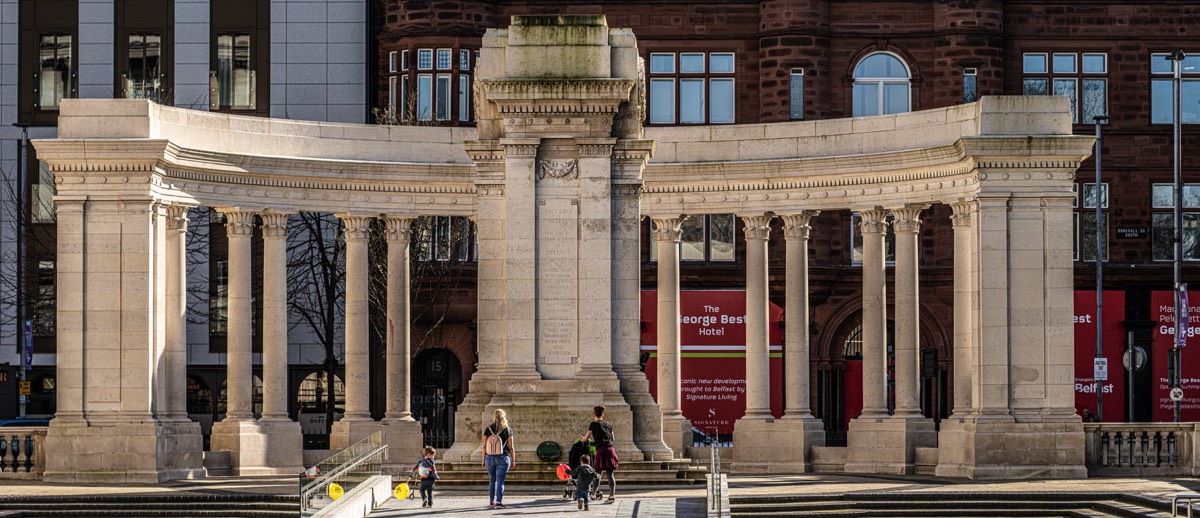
x: 558, y: 169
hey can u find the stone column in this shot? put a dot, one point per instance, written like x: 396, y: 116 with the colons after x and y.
x: 963, y: 321
x: 356, y: 423
x: 399, y: 426
x: 795, y: 342
x: 667, y: 235
x: 758, y: 353
x: 176, y: 349
x: 239, y: 433
x: 874, y: 312
x: 907, y: 225
x: 284, y: 440
x: 239, y: 227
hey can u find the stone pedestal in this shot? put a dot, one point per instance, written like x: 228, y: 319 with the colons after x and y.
x: 247, y: 444
x: 677, y: 434
x: 776, y: 446
x: 984, y: 447
x: 284, y: 445
x: 404, y: 441
x: 118, y: 451
x: 348, y: 431
x: 887, y: 445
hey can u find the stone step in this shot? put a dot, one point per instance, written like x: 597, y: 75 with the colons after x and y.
x: 171, y: 505
x: 1081, y: 505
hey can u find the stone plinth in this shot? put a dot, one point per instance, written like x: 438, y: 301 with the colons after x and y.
x: 985, y: 447
x: 887, y: 445
x: 776, y: 446
x: 103, y: 451
x: 284, y: 445
x: 349, y: 431
x: 403, y: 439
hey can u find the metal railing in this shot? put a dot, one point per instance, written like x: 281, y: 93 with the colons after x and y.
x: 1183, y: 497
x: 329, y: 479
x: 22, y: 452
x: 1138, y: 449
x: 716, y: 491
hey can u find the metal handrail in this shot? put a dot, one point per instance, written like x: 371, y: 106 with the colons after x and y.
x: 336, y: 475
x: 370, y: 449
x: 714, y: 471
x: 1188, y: 497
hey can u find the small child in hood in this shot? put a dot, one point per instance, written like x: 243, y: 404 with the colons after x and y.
x: 426, y: 470
x: 585, y: 475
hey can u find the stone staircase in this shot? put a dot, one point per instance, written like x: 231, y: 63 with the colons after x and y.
x: 231, y: 505
x: 676, y: 472
x: 935, y: 504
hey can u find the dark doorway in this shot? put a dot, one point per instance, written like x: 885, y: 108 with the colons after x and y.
x: 436, y: 393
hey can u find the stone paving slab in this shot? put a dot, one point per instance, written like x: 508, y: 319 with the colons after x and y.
x: 776, y: 485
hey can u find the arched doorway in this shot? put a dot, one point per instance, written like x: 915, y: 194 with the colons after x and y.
x: 839, y: 377
x: 313, y: 410
x: 436, y: 392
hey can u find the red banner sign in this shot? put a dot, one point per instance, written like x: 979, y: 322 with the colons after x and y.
x: 1085, y: 353
x: 1163, y: 310
x: 712, y: 338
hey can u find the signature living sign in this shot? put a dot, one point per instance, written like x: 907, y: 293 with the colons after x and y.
x: 1162, y: 310
x: 1085, y: 352
x: 712, y: 338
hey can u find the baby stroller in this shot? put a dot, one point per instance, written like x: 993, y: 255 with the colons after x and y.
x: 578, y: 450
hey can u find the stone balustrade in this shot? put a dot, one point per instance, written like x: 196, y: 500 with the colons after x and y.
x: 22, y: 453
x: 1140, y: 449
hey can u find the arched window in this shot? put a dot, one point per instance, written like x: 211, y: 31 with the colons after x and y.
x: 881, y: 85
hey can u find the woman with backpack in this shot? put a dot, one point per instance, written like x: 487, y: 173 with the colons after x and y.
x: 499, y: 456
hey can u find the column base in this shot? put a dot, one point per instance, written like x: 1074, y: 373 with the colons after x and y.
x: 248, y: 447
x: 887, y: 445
x: 105, y: 451
x: 677, y: 434
x: 775, y: 446
x: 999, y: 446
x: 348, y: 431
x: 647, y: 416
x: 285, y: 445
x: 405, y: 442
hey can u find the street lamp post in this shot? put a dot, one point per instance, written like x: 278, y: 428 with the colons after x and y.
x: 22, y: 234
x: 1099, y: 119
x: 1176, y: 59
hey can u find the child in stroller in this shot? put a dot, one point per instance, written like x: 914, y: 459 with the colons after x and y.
x: 578, y: 450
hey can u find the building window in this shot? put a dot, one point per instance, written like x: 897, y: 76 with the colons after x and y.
x: 144, y: 77
x: 42, y: 307
x: 1074, y: 75
x: 881, y: 85
x: 55, y: 75
x: 444, y: 238
x: 705, y: 238
x: 443, y: 97
x: 218, y: 299
x: 796, y: 95
x: 425, y: 59
x: 464, y: 97
x: 392, y: 93
x: 970, y: 85
x: 404, y: 60
x: 443, y: 59
x: 692, y: 88
x: 403, y: 110
x: 424, y: 97
x: 1085, y: 223
x: 1163, y: 223
x: 464, y: 60
x: 856, y: 241
x: 42, y: 202
x: 392, y: 64
x: 234, y: 84
x: 1162, y: 89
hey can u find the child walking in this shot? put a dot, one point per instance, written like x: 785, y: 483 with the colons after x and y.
x: 584, y: 476
x: 426, y: 470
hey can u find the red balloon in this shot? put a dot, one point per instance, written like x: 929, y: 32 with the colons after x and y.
x: 562, y: 471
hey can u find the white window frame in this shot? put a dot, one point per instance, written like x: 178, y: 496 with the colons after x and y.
x: 794, y: 75
x: 404, y: 60
x: 464, y: 98
x: 392, y: 96
x: 448, y: 62
x: 881, y: 81
x: 422, y: 54
x: 426, y: 115
x: 464, y: 60
x: 443, y: 99
x: 392, y: 65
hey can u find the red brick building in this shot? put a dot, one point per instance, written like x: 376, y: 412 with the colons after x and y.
x: 741, y: 61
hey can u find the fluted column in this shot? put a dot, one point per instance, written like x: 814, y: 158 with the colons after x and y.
x: 356, y: 228
x: 963, y: 314
x: 667, y: 235
x: 796, y: 231
x: 275, y: 316
x: 239, y: 227
x: 758, y: 353
x: 874, y: 312
x: 907, y: 225
x: 399, y: 235
x: 176, y: 349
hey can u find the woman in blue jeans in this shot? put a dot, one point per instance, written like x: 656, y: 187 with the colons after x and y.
x: 499, y: 456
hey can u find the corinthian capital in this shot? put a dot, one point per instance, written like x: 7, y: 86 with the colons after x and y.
x: 668, y: 228
x: 796, y: 226
x: 758, y: 226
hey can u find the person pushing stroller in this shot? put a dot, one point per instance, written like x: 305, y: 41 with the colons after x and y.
x: 580, y: 450
x: 584, y: 477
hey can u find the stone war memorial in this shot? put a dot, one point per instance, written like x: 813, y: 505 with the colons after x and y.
x: 557, y: 177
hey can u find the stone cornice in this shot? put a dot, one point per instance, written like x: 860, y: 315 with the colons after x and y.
x: 604, y: 92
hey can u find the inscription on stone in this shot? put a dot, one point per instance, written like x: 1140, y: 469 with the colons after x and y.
x: 557, y: 281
